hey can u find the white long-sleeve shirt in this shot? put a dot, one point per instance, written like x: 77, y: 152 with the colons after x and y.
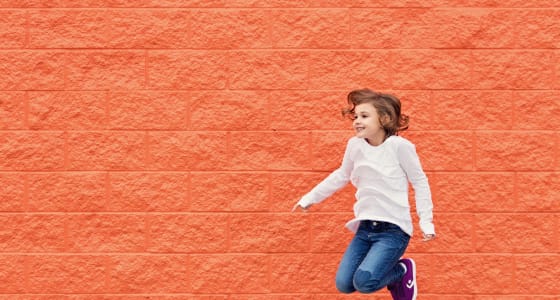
x: 380, y: 175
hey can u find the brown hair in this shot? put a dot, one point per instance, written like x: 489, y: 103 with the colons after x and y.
x: 388, y: 108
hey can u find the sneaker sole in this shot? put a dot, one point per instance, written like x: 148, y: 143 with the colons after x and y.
x: 414, y: 278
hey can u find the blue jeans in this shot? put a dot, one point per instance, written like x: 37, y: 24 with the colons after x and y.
x: 371, y: 260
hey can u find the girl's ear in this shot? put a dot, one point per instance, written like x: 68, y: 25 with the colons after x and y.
x: 385, y: 119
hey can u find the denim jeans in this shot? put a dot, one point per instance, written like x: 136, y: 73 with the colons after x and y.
x: 371, y: 260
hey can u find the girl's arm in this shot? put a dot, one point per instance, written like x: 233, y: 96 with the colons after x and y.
x: 334, y: 182
x: 410, y: 162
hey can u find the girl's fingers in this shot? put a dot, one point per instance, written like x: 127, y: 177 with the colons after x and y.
x: 304, y: 209
x: 428, y: 237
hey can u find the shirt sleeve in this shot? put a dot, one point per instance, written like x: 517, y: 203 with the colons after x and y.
x: 332, y: 183
x: 408, y: 158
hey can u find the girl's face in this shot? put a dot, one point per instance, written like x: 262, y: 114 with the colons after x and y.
x: 367, y: 125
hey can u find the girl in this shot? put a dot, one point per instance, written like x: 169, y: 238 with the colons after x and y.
x: 379, y: 163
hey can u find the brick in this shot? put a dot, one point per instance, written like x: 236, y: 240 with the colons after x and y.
x: 307, y: 110
x: 148, y: 192
x: 525, y: 151
x: 431, y: 69
x: 220, y: 192
x: 493, y: 192
x: 12, y: 192
x: 187, y: 150
x: 13, y: 274
x: 268, y: 233
x: 513, y: 297
x: 188, y: 233
x: 148, y: 274
x: 480, y: 274
x: 539, y: 276
x: 501, y: 69
x: 460, y: 28
x: 268, y: 70
x: 143, y: 297
x: 106, y: 150
x: 315, y: 29
x: 227, y: 110
x: 471, y: 110
x: 369, y: 3
x: 112, y: 3
x: 506, y: 4
x: 455, y: 234
x: 66, y: 192
x: 303, y: 296
x: 419, y: 108
x: 516, y: 32
x: 449, y: 151
x: 475, y: 27
x: 32, y: 233
x: 230, y: 29
x: 12, y: 28
x: 557, y: 151
x: 385, y: 28
x: 230, y: 273
x: 98, y: 70
x: 250, y: 151
x: 55, y: 28
x: 537, y: 192
x: 536, y: 110
x: 266, y: 3
x: 519, y: 233
x: 166, y: 28
x: 314, y: 273
x: 327, y: 149
x: 106, y: 233
x: 26, y: 151
x: 141, y: 110
x: 288, y: 188
x: 12, y: 110
x: 32, y: 70
x: 328, y: 233
x: 66, y: 274
x: 67, y: 110
x: 187, y: 70
x: 35, y: 297
x: 556, y: 61
x: 344, y: 69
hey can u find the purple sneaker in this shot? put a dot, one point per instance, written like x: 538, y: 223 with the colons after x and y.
x: 407, y: 286
x: 394, y: 288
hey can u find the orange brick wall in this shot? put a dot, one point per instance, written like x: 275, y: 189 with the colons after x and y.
x: 153, y: 149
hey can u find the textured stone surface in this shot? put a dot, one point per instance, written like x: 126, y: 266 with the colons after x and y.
x: 214, y: 192
x: 147, y: 110
x: 12, y: 192
x: 12, y: 110
x: 31, y: 151
x: 153, y: 149
x: 527, y: 151
x: 66, y: 192
x: 106, y: 150
x: 164, y: 192
x: 219, y: 111
x: 64, y: 110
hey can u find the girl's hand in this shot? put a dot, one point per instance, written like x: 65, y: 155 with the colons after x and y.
x: 304, y: 209
x: 428, y: 237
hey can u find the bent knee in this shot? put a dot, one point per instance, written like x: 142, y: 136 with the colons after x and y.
x: 365, y: 282
x: 344, y: 286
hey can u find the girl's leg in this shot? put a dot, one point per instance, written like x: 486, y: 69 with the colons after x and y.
x: 351, y: 260
x: 380, y: 266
